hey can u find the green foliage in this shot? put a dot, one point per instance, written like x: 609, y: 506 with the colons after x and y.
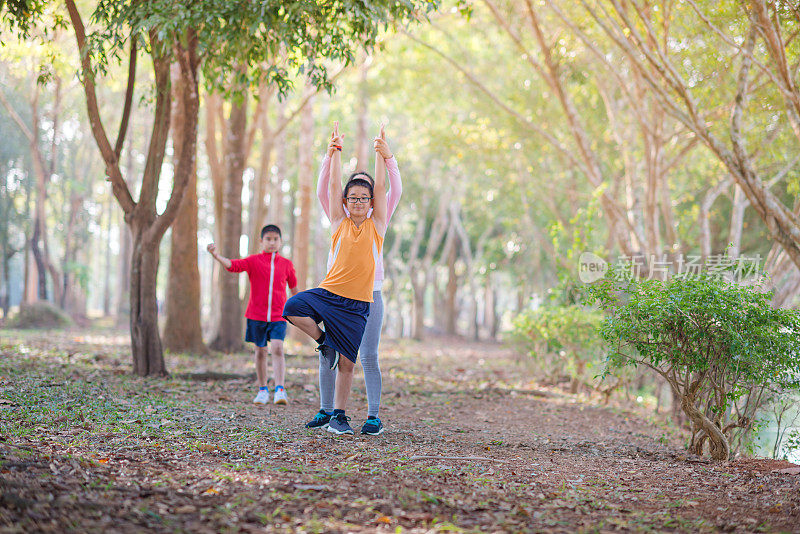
x: 562, y: 338
x: 244, y: 43
x: 39, y: 315
x: 703, y: 324
x: 721, y: 345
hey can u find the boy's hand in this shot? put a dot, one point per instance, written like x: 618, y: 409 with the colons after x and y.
x: 212, y: 248
x: 381, y: 146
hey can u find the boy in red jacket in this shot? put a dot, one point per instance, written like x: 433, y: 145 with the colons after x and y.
x: 269, y: 274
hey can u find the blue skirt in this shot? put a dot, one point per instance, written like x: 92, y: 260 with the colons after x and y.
x: 345, y: 319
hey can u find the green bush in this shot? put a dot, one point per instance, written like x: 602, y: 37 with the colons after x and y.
x: 721, y: 346
x: 562, y: 339
x: 40, y: 314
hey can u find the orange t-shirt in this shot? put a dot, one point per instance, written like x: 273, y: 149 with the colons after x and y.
x: 355, y: 251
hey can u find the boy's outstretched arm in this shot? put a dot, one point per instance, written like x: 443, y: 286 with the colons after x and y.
x: 380, y: 205
x: 212, y: 248
x: 337, y: 214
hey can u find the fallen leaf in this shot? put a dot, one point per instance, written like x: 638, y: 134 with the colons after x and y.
x: 211, y: 491
x: 384, y: 519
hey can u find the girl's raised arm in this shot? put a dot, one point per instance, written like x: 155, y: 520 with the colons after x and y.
x: 379, y: 206
x: 337, y: 214
x: 322, y: 184
x: 325, y: 176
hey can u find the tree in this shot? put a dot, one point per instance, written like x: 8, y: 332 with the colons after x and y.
x: 175, y: 31
x: 720, y: 345
x: 749, y: 36
x: 182, y: 330
x: 44, y: 158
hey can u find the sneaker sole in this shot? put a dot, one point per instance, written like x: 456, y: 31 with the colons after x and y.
x: 282, y: 402
x: 259, y: 402
x: 335, y: 360
x: 338, y: 432
x: 326, y: 425
x: 378, y: 433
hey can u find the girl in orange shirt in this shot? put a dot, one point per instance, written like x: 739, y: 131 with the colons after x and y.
x: 343, y: 298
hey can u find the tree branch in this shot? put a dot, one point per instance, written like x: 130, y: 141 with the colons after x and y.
x: 118, y: 183
x: 126, y: 109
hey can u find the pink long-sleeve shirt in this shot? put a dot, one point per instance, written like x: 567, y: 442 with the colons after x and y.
x: 392, y: 200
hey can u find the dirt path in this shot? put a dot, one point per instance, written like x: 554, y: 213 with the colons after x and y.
x: 85, y: 446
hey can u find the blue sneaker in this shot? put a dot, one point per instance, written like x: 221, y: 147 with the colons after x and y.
x: 372, y: 427
x: 321, y: 420
x: 340, y: 424
x: 329, y: 354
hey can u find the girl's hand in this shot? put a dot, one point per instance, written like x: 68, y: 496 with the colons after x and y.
x: 381, y: 146
x: 212, y: 248
x: 335, y: 143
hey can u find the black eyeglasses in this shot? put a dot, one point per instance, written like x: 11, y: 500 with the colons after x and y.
x: 356, y: 200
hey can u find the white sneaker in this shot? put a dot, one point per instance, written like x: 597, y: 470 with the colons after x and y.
x: 280, y: 397
x: 262, y: 397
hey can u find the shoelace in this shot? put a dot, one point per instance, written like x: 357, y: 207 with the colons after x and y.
x: 320, y: 417
x: 341, y: 418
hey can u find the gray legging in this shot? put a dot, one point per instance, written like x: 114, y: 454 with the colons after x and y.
x: 368, y: 351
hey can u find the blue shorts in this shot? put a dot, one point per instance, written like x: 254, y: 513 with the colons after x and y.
x: 345, y: 319
x: 262, y: 332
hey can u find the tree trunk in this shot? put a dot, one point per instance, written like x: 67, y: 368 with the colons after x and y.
x: 720, y: 447
x: 418, y: 311
x: 107, y: 270
x: 41, y: 271
x: 147, y: 225
x: 737, y: 222
x: 450, y: 311
x: 5, y: 297
x: 229, y: 335
x: 275, y: 208
x: 182, y: 330
x: 124, y: 275
x: 304, y: 178
x: 362, y: 135
x: 68, y: 278
x: 705, y: 215
x: 148, y: 359
x: 258, y: 206
x: 490, y: 307
x: 29, y: 284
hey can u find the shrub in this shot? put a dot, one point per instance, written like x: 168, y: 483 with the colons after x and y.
x: 721, y: 346
x: 562, y: 339
x: 40, y: 314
